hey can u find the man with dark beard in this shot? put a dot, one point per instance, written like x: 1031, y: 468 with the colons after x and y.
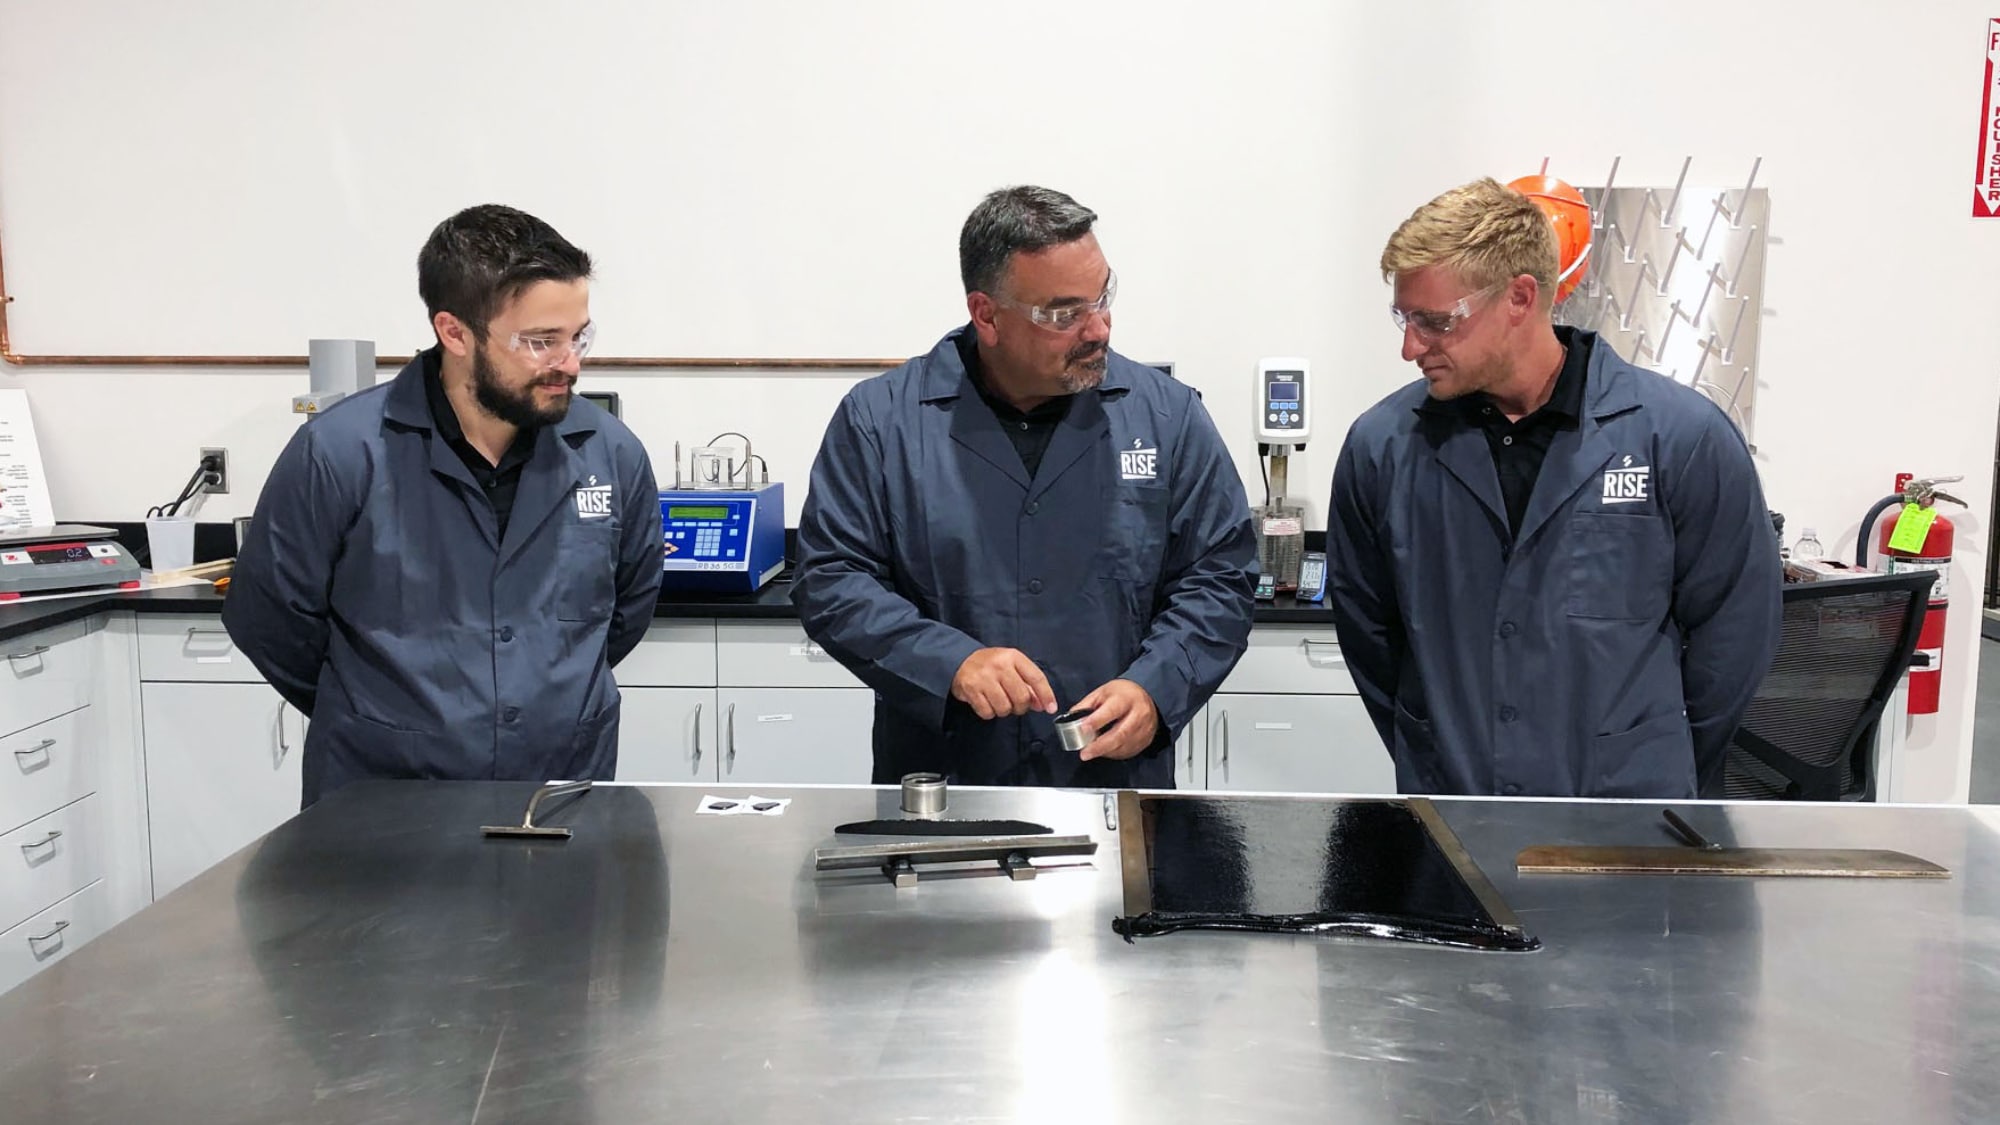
x: 442, y: 571
x: 1024, y: 520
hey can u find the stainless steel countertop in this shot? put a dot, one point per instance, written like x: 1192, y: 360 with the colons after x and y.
x: 377, y: 960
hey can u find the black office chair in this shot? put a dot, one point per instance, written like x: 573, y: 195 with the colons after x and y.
x: 1806, y: 736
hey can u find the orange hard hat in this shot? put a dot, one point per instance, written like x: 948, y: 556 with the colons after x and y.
x: 1567, y: 209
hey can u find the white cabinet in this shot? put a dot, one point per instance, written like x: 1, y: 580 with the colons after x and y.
x: 805, y: 736
x: 1287, y: 719
x: 667, y: 734
x: 72, y: 852
x: 791, y: 714
x: 222, y: 769
x: 1295, y: 743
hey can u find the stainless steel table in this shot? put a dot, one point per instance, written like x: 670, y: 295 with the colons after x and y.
x: 377, y: 960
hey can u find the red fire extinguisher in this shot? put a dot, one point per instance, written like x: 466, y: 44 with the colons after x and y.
x: 1935, y: 556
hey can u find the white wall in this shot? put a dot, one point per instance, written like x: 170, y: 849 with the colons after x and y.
x: 787, y: 179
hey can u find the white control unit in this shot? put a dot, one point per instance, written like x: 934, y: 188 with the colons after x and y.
x: 1283, y: 408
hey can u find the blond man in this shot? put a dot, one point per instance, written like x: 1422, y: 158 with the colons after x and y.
x: 1552, y: 573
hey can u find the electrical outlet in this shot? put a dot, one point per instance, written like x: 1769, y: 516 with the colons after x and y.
x: 221, y: 463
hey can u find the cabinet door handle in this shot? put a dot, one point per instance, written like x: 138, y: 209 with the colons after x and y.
x: 200, y: 631
x: 35, y: 941
x: 28, y: 655
x: 40, y: 748
x: 1222, y: 743
x: 697, y: 739
x: 1333, y: 656
x: 729, y: 762
x: 48, y: 841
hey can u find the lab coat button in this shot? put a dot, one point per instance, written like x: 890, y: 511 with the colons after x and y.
x: 1508, y: 714
x: 506, y: 632
x: 1511, y: 789
x: 1508, y: 629
x: 1034, y: 506
x: 510, y: 714
x: 1035, y: 745
x: 1035, y: 587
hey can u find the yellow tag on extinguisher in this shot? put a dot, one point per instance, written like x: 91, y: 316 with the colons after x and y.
x: 1912, y: 526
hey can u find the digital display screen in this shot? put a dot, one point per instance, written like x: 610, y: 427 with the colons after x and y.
x: 685, y: 512
x: 1284, y: 392
x: 74, y: 552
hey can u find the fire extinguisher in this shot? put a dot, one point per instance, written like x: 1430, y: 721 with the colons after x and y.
x: 1927, y: 672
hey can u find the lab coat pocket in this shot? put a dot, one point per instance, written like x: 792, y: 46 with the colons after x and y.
x: 1653, y: 759
x: 383, y: 749
x: 594, y: 750
x: 1620, y: 567
x: 1415, y: 751
x: 587, y: 572
x: 1134, y: 541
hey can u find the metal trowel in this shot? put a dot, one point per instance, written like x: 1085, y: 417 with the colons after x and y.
x: 1700, y: 856
x: 528, y: 828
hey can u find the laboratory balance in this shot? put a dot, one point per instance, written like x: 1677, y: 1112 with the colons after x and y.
x: 721, y: 533
x: 63, y: 558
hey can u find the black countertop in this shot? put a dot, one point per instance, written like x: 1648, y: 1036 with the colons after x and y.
x: 773, y: 602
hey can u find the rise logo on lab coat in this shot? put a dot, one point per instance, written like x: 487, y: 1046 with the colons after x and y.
x: 1628, y: 483
x: 1139, y: 464
x: 594, y: 501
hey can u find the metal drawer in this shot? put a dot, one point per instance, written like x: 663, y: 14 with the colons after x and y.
x: 193, y: 648
x: 1291, y: 660
x: 53, y: 934
x: 673, y: 654
x: 45, y: 768
x: 48, y: 860
x: 762, y: 654
x: 45, y: 674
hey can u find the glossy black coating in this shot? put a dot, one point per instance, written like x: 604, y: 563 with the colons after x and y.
x: 1364, y: 868
x: 916, y: 827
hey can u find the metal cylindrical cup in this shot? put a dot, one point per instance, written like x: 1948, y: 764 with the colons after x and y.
x: 1069, y: 728
x: 923, y: 794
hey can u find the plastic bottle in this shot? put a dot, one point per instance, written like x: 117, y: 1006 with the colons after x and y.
x: 1808, y: 547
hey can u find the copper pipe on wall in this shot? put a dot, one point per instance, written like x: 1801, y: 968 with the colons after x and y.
x: 682, y: 363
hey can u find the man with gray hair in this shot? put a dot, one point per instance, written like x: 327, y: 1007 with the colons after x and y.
x: 1023, y: 521
x: 1552, y: 573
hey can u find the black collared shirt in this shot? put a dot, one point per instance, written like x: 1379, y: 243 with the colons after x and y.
x: 1519, y: 448
x: 499, y: 482
x: 1030, y: 431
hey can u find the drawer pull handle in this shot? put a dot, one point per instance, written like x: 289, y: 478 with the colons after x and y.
x: 1331, y: 657
x: 198, y: 631
x: 48, y: 841
x: 55, y: 935
x: 28, y: 655
x: 41, y: 748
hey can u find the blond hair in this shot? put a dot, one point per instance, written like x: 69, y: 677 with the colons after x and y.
x: 1484, y: 232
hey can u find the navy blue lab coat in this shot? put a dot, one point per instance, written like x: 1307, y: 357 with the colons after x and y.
x: 1610, y: 648
x: 373, y: 592
x: 1129, y: 555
